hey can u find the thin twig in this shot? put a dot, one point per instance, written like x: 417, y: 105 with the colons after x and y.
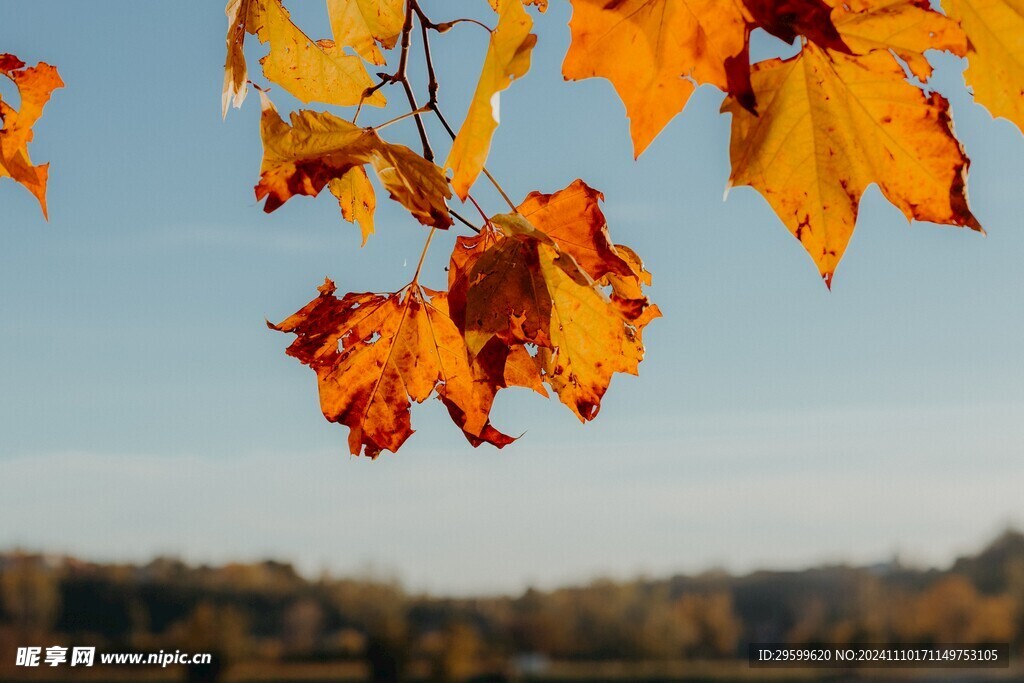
x: 403, y: 78
x: 487, y: 221
x: 463, y: 220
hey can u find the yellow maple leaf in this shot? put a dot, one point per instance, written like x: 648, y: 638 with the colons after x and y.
x: 996, y: 54
x: 318, y: 147
x: 830, y: 126
x: 356, y: 198
x: 907, y: 27
x: 590, y: 340
x: 310, y: 70
x: 35, y: 86
x: 362, y: 24
x: 573, y: 219
x: 508, y: 58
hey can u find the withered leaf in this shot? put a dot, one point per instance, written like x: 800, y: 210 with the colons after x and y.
x: 318, y: 147
x: 356, y: 198
x: 375, y: 354
x: 310, y: 70
x: 35, y: 86
x: 523, y: 285
x: 363, y: 24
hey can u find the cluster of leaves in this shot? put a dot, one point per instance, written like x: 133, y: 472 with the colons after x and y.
x: 540, y: 295
x: 812, y: 132
x: 35, y: 85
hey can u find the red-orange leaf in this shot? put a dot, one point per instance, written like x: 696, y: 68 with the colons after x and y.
x: 35, y: 85
x: 520, y: 283
x: 573, y: 219
x: 374, y: 354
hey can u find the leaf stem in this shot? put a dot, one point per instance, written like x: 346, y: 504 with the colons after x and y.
x: 415, y: 112
x: 494, y: 182
x: 423, y: 256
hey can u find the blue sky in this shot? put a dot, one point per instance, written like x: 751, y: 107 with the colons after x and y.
x: 145, y: 408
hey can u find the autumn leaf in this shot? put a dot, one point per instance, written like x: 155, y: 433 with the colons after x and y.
x: 830, y: 126
x: 507, y: 296
x: 573, y: 219
x: 523, y: 285
x: 996, y: 53
x: 469, y: 405
x: 363, y: 24
x: 310, y: 70
x: 356, y: 197
x: 654, y: 52
x: 590, y: 339
x: 508, y: 58
x: 787, y: 19
x: 35, y: 86
x: 375, y: 354
x: 318, y: 148
x: 906, y: 27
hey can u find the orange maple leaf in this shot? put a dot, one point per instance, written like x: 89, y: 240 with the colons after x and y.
x: 655, y: 52
x: 35, y: 86
x: 374, y: 354
x: 521, y: 283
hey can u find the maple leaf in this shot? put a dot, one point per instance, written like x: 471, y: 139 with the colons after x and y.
x: 508, y: 58
x: 830, y: 126
x: 362, y: 24
x: 906, y: 27
x: 35, y: 86
x: 318, y: 148
x: 309, y: 70
x: 573, y: 219
x: 591, y: 338
x: 654, y: 52
x: 375, y: 354
x: 996, y: 53
x: 521, y: 284
x: 470, y: 406
x: 356, y: 197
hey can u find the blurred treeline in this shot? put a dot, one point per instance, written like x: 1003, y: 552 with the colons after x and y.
x: 267, y: 612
